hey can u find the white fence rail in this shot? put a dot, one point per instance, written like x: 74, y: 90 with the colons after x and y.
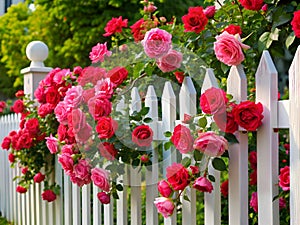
x: 80, y: 206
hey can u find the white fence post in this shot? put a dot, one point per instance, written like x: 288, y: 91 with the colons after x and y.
x: 267, y: 142
x: 294, y: 88
x: 238, y: 155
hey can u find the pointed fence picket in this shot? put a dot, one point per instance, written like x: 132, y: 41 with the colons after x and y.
x: 81, y: 206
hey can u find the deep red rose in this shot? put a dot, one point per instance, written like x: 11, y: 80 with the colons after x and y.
x: 253, y: 178
x: 115, y: 25
x: 24, y: 170
x: 103, y: 197
x: 213, y: 101
x: 39, y: 177
x: 106, y: 127
x: 195, y: 20
x: 177, y: 176
x: 49, y: 195
x: 19, y: 93
x: 24, y: 141
x: 32, y: 126
x: 194, y: 169
x: 203, y: 184
x: 224, y: 188
x: 164, y: 188
x: 138, y: 30
x: 6, y: 143
x: 284, y: 178
x: 108, y: 150
x: 296, y: 23
x: 248, y: 115
x: 52, y: 96
x: 179, y: 76
x: 18, y: 106
x: 11, y: 157
x: 233, y: 29
x: 182, y: 139
x: 21, y: 189
x: 225, y: 121
x: 117, y: 75
x: 252, y: 4
x: 253, y: 159
x: 142, y: 135
x: 45, y: 109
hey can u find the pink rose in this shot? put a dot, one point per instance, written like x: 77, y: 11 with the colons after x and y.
x: 254, y: 202
x: 52, y: 144
x: 103, y: 197
x: 84, y: 133
x: 104, y: 88
x: 225, y: 121
x: 170, y: 61
x: 39, y: 177
x: 213, y: 101
x: 61, y: 112
x: 157, y: 42
x: 165, y: 206
x: 228, y: 49
x: 209, y: 11
x: 164, y: 188
x: 178, y: 176
x: 100, y: 178
x: 60, y: 76
x: 77, y: 120
x: 284, y: 178
x: 182, y: 139
x: 142, y: 136
x: 99, y: 107
x: 67, y: 163
x: 211, y: 144
x: 98, y: 53
x: 282, y: 203
x: 48, y: 195
x: 82, y: 169
x: 67, y: 149
x: 90, y: 75
x: 73, y: 97
x: 203, y: 184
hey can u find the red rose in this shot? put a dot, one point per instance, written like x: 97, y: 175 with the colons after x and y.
x: 182, y: 139
x: 284, y: 178
x: 233, y: 29
x: 108, y: 150
x: 91, y: 74
x: 99, y: 107
x: 252, y: 4
x: 203, y: 184
x: 248, y: 115
x: 21, y: 189
x: 117, y: 75
x: 52, y: 96
x: 225, y: 121
x: 45, y: 109
x: 39, y: 177
x: 115, y: 25
x: 6, y: 143
x: 106, y: 127
x: 142, y: 135
x: 11, y: 157
x: 194, y: 169
x: 84, y: 133
x: 164, y: 188
x: 177, y: 176
x: 213, y: 101
x: 179, y: 76
x: 253, y: 159
x: 253, y: 178
x: 49, y: 195
x: 195, y: 20
x: 32, y: 126
x: 296, y: 23
x: 19, y: 93
x: 24, y: 141
x: 103, y: 197
x: 18, y: 106
x: 224, y: 188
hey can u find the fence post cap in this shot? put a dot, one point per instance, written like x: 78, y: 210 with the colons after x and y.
x: 37, y: 53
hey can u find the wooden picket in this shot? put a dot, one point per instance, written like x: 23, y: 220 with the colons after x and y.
x: 81, y: 206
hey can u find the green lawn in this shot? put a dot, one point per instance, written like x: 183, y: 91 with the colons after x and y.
x: 3, y: 221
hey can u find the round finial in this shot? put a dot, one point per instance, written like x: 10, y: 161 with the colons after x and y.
x: 37, y: 53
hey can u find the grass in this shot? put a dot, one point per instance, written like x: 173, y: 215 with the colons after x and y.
x: 3, y: 221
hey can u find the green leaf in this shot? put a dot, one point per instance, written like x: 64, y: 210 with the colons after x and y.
x: 202, y: 122
x: 135, y: 163
x: 211, y: 178
x: 219, y: 164
x: 264, y: 41
x: 115, y: 195
x: 185, y: 197
x: 144, y: 111
x: 147, y: 120
x: 168, y: 134
x: 186, y: 162
x: 119, y: 187
x: 167, y: 145
x: 289, y: 40
x: 198, y: 155
x: 231, y: 138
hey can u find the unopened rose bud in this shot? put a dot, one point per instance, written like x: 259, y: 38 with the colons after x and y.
x: 209, y: 11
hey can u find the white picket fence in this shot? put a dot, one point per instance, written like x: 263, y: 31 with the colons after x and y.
x: 80, y: 206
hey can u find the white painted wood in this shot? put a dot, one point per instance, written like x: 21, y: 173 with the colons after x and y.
x: 51, y: 215
x: 267, y: 142
x: 294, y: 88
x: 86, y: 206
x: 59, y: 198
x: 38, y: 203
x: 97, y: 219
x: 283, y: 120
x: 238, y: 155
x: 44, y: 208
x: 209, y: 80
x: 76, y: 205
x: 108, y: 213
x: 23, y: 205
x: 67, y: 194
x: 122, y: 205
x: 32, y: 206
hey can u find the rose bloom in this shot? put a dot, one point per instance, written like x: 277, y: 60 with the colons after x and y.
x: 203, y: 184
x: 19, y: 93
x: 48, y: 195
x: 179, y: 76
x: 182, y: 139
x: 254, y: 202
x: 82, y: 169
x: 117, y: 75
x: 84, y: 133
x: 296, y: 23
x: 165, y: 206
x: 170, y: 61
x: 73, y: 97
x: 32, y: 126
x: 209, y: 11
x: 52, y: 144
x: 100, y: 178
x: 115, y: 25
x: 98, y: 53
x: 66, y: 162
x: 103, y: 197
x: 139, y: 28
x: 107, y: 150
x: 282, y: 203
x: 248, y: 115
x: 253, y: 159
x: 2, y: 106
x: 18, y: 106
x: 233, y: 29
x: 178, y: 176
x: 90, y: 75
x: 106, y: 127
x: 21, y: 189
x: 99, y: 107
x: 224, y: 188
x: 104, y: 88
x: 61, y: 112
x: 228, y: 49
x: 213, y: 101
x: 11, y: 157
x: 145, y: 158
x: 225, y: 121
x: 157, y: 42
x: 253, y: 178
x: 194, y: 169
x: 39, y: 93
x: 211, y: 144
x: 39, y: 177
x: 142, y: 135
x: 77, y: 120
x: 60, y: 76
x: 195, y: 20
x: 164, y: 188
x: 254, y: 5
x: 52, y: 95
x: 6, y: 143
x: 45, y: 109
x: 284, y: 178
